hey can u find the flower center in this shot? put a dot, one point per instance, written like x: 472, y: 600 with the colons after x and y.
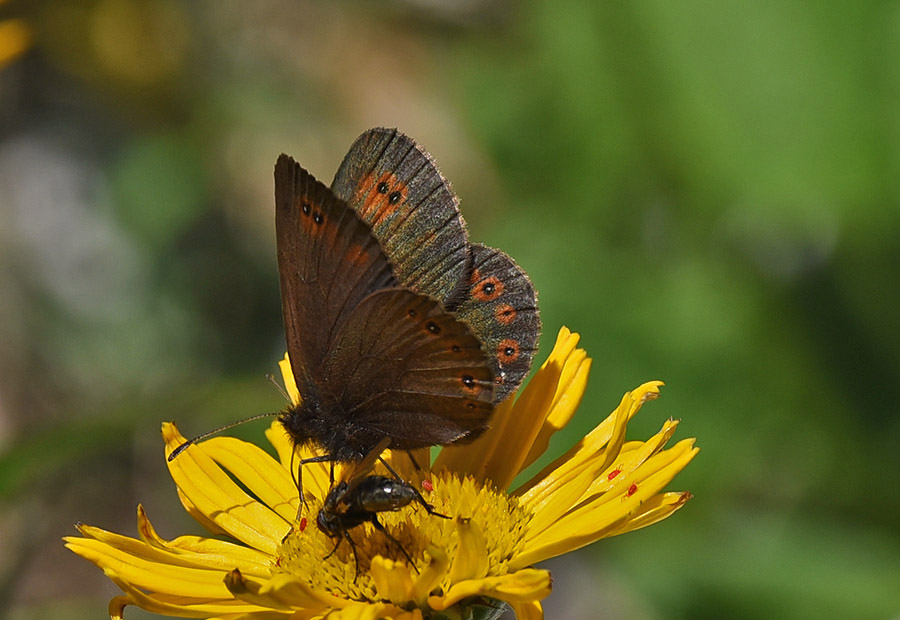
x: 328, y: 563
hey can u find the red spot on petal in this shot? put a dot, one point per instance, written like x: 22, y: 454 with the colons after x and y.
x: 631, y: 490
x: 427, y: 485
x: 303, y: 523
x: 613, y: 474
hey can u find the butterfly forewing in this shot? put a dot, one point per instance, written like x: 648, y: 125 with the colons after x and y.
x: 501, y: 308
x: 402, y: 366
x: 328, y: 261
x: 395, y: 186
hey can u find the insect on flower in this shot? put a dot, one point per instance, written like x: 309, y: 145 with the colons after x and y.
x: 359, y: 501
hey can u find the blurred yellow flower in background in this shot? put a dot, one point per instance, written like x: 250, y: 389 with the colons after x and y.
x: 15, y: 39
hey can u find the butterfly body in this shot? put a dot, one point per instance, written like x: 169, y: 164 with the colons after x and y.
x: 313, y: 422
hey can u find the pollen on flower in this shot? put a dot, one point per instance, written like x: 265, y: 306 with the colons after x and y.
x: 613, y: 474
x: 631, y: 490
x: 499, y: 516
x: 427, y: 485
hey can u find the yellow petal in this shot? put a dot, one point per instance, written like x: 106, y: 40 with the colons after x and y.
x: 257, y: 615
x: 569, y: 392
x: 218, y: 555
x: 654, y: 510
x: 499, y: 454
x: 370, y: 611
x: 117, y: 607
x: 185, y: 607
x: 519, y: 427
x: 603, y: 514
x: 143, y: 572
x: 209, y: 525
x: 213, y: 493
x: 281, y: 591
x: 431, y: 575
x: 470, y: 561
x: 521, y: 586
x: 259, y: 472
x: 287, y: 374
x: 528, y: 610
x: 471, y: 458
x: 636, y: 471
x: 558, y: 488
x: 634, y: 456
x: 281, y: 441
x: 607, y: 513
x: 586, y: 454
x: 415, y: 614
x: 203, y: 552
x: 393, y: 580
x: 570, y: 487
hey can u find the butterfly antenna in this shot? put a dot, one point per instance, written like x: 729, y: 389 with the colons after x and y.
x: 200, y: 437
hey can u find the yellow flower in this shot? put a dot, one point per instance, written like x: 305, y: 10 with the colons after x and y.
x: 15, y: 39
x: 271, y: 566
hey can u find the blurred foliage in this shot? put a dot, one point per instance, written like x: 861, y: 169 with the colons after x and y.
x: 707, y: 192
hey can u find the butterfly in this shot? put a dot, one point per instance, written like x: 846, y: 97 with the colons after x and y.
x: 397, y: 327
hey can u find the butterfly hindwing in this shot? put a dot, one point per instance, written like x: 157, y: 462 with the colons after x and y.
x: 501, y: 308
x: 410, y: 370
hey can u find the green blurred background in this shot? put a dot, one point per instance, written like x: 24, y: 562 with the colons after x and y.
x: 707, y: 192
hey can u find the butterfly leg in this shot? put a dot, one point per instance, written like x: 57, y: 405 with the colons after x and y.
x: 428, y: 507
x: 298, y: 480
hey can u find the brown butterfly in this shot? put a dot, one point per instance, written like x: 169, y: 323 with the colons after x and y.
x: 397, y: 328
